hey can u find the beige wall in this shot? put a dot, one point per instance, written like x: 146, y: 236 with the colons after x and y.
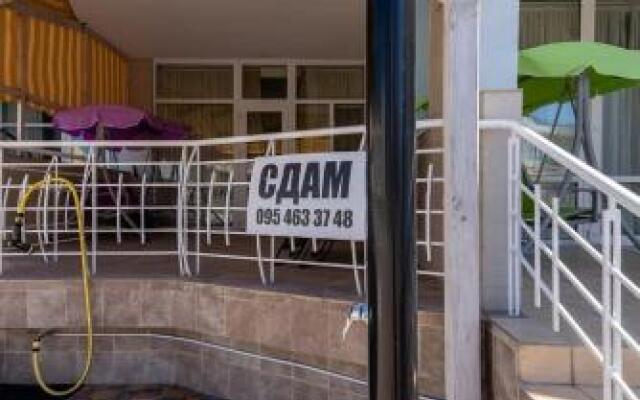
x: 141, y: 83
x: 298, y: 328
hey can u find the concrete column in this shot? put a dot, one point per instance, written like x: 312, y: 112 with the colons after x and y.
x: 494, y: 217
x: 499, y: 99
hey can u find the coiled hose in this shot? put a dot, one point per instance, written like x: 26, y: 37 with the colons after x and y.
x: 17, y: 242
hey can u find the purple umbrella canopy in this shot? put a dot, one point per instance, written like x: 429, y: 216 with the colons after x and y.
x: 118, y: 122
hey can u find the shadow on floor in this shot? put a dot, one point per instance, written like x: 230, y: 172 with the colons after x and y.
x: 24, y: 392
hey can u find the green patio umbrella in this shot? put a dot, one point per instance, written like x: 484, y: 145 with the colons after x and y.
x: 575, y: 72
x: 548, y: 74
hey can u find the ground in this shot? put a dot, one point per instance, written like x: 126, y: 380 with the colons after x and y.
x: 105, y: 393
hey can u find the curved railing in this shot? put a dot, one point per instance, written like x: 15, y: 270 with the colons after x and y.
x: 195, y: 185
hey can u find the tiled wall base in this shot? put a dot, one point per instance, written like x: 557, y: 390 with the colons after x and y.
x: 148, y: 360
x: 301, y: 329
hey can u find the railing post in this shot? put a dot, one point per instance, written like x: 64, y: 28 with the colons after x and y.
x: 94, y: 210
x: 56, y: 214
x: 555, y: 252
x: 537, y: 262
x: 143, y: 193
x: 180, y: 212
x: 616, y: 250
x: 3, y: 217
x: 607, y: 218
x: 514, y: 272
x: 19, y: 120
x: 119, y: 209
x: 198, y: 192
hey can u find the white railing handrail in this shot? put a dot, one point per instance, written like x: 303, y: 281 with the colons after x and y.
x: 605, y: 184
x: 587, y: 173
x: 244, y: 139
x: 239, y: 139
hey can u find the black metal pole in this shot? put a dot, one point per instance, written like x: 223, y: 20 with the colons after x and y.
x: 391, y: 251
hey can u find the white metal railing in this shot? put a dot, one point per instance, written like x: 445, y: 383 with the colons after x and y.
x: 616, y: 337
x: 187, y: 196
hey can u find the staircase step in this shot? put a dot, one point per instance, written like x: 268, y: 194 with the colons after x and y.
x: 542, y: 356
x: 553, y: 392
x: 563, y: 392
x: 595, y: 392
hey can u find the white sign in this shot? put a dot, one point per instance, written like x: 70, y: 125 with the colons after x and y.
x: 321, y: 195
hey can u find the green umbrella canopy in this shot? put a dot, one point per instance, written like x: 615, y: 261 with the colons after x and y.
x: 546, y: 74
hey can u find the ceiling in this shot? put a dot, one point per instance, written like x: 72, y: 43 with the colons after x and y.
x: 317, y: 29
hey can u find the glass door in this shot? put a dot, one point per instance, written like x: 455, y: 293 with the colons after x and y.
x: 257, y: 120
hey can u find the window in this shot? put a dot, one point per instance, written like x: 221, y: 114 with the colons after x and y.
x: 194, y: 82
x: 262, y: 122
x: 346, y: 115
x: 32, y: 124
x: 260, y: 82
x: 219, y: 98
x: 330, y: 82
x: 205, y: 120
x: 313, y: 116
x: 199, y: 96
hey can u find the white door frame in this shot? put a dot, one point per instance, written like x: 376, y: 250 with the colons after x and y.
x: 263, y: 105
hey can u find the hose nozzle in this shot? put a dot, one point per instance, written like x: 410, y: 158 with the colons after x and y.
x: 16, y: 236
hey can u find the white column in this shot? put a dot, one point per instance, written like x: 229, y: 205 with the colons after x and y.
x: 587, y: 20
x: 500, y: 99
x: 461, y: 202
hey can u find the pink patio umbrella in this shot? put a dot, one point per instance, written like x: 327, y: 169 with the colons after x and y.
x: 114, y: 122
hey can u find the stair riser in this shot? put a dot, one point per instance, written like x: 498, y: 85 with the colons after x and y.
x: 552, y: 364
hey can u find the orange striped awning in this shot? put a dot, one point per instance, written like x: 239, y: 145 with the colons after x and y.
x: 62, y: 7
x: 8, y: 52
x: 53, y: 65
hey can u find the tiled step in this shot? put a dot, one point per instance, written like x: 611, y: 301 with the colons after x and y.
x: 595, y: 392
x: 541, y: 356
x: 553, y: 392
x: 562, y: 392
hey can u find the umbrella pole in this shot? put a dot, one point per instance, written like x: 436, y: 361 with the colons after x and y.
x: 583, y: 122
x: 583, y: 119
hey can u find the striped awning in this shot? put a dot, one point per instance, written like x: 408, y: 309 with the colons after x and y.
x: 52, y: 63
x: 62, y: 7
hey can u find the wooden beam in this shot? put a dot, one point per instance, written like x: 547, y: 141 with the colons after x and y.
x: 461, y: 171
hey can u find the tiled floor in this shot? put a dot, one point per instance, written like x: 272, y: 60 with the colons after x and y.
x: 137, y: 393
x: 589, y: 272
x: 317, y: 281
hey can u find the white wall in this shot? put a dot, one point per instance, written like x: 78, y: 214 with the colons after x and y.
x: 499, y: 28
x: 499, y: 24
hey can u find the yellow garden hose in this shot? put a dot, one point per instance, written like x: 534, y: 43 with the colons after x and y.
x: 35, y: 349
